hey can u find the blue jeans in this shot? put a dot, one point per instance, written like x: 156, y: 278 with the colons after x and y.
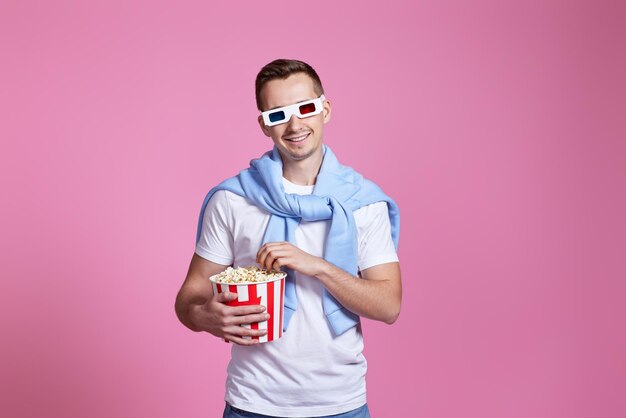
x: 232, y: 412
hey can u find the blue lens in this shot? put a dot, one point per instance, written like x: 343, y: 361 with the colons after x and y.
x: 277, y: 116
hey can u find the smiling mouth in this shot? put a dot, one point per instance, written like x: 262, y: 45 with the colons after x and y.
x: 298, y: 138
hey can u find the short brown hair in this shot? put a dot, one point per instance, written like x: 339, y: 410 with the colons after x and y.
x: 281, y: 69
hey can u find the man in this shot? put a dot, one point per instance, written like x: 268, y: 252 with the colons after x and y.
x: 335, y: 233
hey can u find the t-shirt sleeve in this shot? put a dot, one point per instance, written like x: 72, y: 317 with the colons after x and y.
x: 375, y: 241
x: 216, y: 238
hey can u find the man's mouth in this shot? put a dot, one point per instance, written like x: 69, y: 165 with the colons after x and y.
x: 298, y: 138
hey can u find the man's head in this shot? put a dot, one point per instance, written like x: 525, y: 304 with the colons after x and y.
x: 281, y: 69
x: 286, y: 82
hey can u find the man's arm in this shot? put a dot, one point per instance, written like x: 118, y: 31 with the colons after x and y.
x: 378, y: 295
x: 200, y: 310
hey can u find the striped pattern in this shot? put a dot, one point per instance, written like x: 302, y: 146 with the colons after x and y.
x: 269, y: 294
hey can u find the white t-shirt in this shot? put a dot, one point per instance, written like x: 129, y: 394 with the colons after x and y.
x: 307, y: 371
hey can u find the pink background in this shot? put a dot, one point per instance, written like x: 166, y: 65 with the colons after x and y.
x: 499, y: 129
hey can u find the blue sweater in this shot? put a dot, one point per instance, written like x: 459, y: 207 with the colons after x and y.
x: 338, y: 192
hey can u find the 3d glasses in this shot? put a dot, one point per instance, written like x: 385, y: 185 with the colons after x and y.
x: 301, y: 110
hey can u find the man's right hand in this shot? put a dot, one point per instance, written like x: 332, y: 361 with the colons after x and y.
x: 225, y: 321
x: 200, y: 310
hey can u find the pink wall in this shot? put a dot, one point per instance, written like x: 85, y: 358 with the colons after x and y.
x: 498, y: 128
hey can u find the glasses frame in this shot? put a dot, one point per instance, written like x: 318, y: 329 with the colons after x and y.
x: 294, y: 109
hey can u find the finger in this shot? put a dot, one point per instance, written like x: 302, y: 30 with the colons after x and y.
x: 245, y: 310
x: 271, y: 261
x: 244, y: 336
x: 239, y: 331
x: 250, y: 319
x: 241, y: 341
x: 266, y: 259
x: 260, y: 257
x: 263, y: 249
x: 276, y: 255
x: 274, y: 243
x: 276, y: 259
x: 234, y: 322
x: 226, y: 296
x: 266, y: 248
x: 260, y: 254
x: 263, y: 253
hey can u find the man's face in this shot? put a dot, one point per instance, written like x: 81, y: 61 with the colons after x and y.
x: 296, y: 139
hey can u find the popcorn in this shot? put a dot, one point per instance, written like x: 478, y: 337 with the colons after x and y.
x: 250, y: 274
x: 255, y: 286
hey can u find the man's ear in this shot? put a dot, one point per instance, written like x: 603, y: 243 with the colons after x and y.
x: 326, y: 111
x: 263, y: 127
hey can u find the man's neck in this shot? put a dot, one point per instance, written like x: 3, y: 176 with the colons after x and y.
x: 303, y: 172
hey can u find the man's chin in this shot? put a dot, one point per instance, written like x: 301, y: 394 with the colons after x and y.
x: 298, y: 154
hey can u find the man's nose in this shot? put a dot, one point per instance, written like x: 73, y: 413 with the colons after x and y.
x: 293, y: 122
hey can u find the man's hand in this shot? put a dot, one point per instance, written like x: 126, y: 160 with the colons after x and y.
x: 274, y: 255
x: 225, y: 321
x: 377, y: 295
x: 200, y: 310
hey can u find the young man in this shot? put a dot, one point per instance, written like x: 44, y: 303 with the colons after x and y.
x: 296, y: 209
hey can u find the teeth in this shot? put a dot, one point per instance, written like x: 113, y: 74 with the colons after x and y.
x: 298, y: 138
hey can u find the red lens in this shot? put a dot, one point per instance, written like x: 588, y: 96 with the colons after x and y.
x: 307, y: 108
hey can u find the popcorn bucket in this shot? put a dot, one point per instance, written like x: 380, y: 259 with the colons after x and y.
x: 270, y: 294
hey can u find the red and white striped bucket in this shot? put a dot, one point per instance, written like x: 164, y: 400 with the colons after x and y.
x: 270, y: 294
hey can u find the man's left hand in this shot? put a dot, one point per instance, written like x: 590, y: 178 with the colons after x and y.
x: 274, y: 255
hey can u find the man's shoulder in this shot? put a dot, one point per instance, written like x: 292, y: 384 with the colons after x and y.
x: 231, y: 201
x: 371, y: 210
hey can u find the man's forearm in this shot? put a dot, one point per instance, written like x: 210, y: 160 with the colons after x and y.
x: 188, y: 297
x: 378, y: 295
x: 182, y: 312
x: 378, y: 299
